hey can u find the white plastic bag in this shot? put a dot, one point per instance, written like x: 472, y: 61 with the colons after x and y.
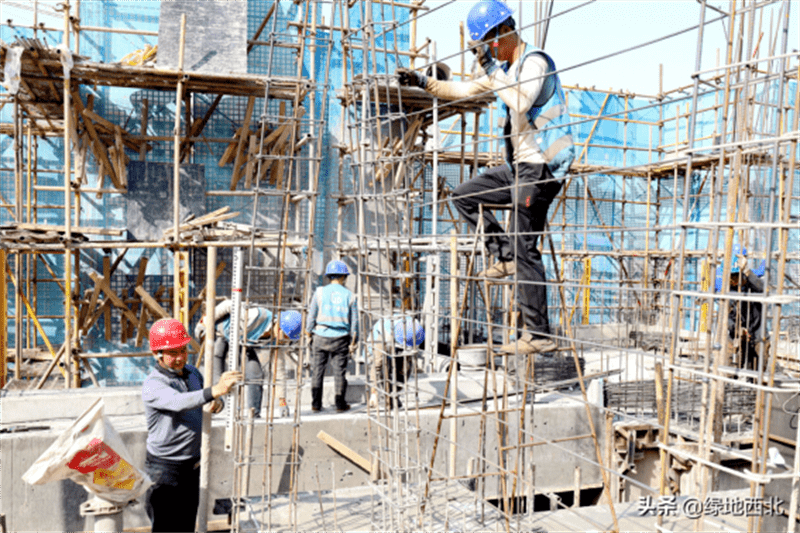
x: 91, y: 452
x: 12, y: 69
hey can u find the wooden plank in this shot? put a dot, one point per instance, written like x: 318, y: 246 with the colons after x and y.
x: 139, y: 282
x: 75, y: 229
x: 237, y: 164
x: 100, y: 280
x: 143, y: 129
x: 141, y: 330
x: 159, y: 311
x: 98, y: 147
x: 251, y: 163
x: 109, y: 128
x: 348, y: 453
x: 201, y: 297
x: 121, y: 156
x: 96, y: 315
x: 107, y: 312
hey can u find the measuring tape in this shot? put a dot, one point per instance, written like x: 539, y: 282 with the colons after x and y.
x: 233, y: 341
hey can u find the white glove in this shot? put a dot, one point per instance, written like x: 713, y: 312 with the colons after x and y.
x: 741, y: 262
x: 200, y: 329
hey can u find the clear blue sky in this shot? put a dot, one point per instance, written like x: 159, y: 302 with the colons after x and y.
x: 608, y: 26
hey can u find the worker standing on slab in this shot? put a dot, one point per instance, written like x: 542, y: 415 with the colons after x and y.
x: 744, y: 317
x: 393, y: 347
x: 173, y: 396
x: 258, y: 330
x: 333, y: 325
x: 539, y: 151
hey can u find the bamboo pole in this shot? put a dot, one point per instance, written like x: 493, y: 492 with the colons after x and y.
x: 176, y: 175
x: 208, y: 373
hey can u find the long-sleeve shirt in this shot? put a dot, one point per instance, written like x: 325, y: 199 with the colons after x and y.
x: 746, y: 314
x: 256, y: 323
x: 333, y: 312
x: 518, y: 96
x: 174, y: 414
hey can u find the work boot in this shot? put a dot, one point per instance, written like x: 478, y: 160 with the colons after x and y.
x: 527, y: 343
x: 499, y: 270
x: 316, y: 399
x: 341, y: 405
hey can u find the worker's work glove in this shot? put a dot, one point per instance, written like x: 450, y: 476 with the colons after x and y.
x: 353, y: 347
x: 484, y: 56
x: 741, y: 262
x: 216, y: 405
x: 411, y: 78
x: 200, y: 329
x: 226, y: 382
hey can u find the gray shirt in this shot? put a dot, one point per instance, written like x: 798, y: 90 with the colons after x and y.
x: 173, y: 409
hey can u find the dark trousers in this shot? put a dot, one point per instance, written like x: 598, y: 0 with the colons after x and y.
x: 171, y: 502
x: 748, y: 353
x: 337, y: 350
x: 252, y: 372
x: 529, y: 213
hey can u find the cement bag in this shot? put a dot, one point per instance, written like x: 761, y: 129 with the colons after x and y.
x: 91, y: 453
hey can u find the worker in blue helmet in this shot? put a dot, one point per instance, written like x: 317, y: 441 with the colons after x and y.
x: 333, y: 326
x: 258, y: 331
x: 744, y: 316
x: 393, y: 346
x: 539, y: 152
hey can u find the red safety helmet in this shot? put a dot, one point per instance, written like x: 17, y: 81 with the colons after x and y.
x: 168, y: 334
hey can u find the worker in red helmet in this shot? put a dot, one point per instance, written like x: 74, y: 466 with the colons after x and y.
x: 173, y: 396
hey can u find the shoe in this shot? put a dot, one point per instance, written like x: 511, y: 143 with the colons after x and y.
x: 527, y: 343
x: 341, y: 404
x: 499, y: 270
x: 316, y: 399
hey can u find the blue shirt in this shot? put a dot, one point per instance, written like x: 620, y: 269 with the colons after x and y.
x: 333, y: 312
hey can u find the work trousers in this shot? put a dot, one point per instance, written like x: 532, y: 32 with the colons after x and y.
x: 337, y: 350
x: 530, y: 202
x: 171, y: 502
x: 253, y: 372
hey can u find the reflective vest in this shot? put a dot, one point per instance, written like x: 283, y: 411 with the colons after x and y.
x: 548, y: 111
x: 258, y: 321
x: 333, y: 315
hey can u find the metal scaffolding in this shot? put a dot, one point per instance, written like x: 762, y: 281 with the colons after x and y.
x: 317, y: 152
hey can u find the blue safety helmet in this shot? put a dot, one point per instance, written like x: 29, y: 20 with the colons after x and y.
x: 409, y: 333
x: 336, y: 268
x: 291, y: 324
x: 484, y: 16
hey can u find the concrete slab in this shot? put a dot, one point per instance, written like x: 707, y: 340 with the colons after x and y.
x: 295, y: 446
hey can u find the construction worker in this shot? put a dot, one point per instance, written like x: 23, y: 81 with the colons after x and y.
x: 173, y: 395
x: 393, y: 345
x: 744, y: 317
x: 333, y: 325
x: 258, y: 330
x: 539, y: 151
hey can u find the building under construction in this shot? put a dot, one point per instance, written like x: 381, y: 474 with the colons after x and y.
x: 157, y: 157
